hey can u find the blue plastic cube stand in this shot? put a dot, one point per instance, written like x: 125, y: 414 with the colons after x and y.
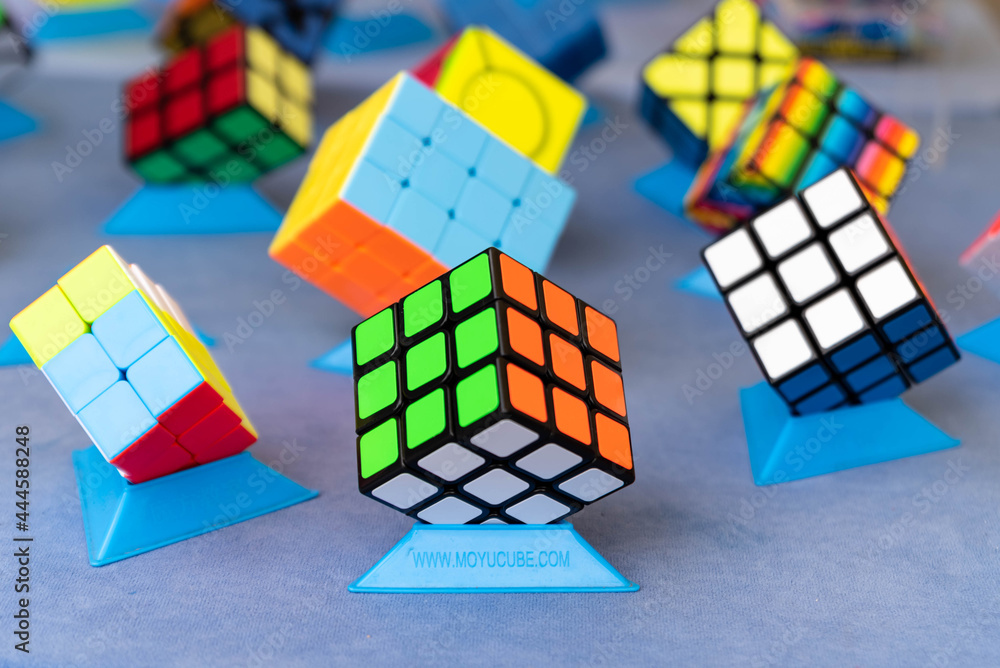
x: 699, y: 282
x: 666, y: 186
x: 122, y: 520
x: 14, y: 122
x: 12, y: 353
x: 784, y: 447
x: 188, y: 209
x: 339, y: 359
x: 92, y: 23
x: 470, y: 559
x: 353, y: 33
x: 983, y: 341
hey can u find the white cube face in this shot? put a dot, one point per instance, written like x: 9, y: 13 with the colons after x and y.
x: 886, y: 288
x: 549, y: 461
x: 782, y: 228
x: 808, y: 273
x: 834, y: 319
x: 538, y: 509
x: 450, y: 462
x: 859, y: 243
x: 783, y: 349
x: 496, y: 486
x: 757, y: 303
x: 833, y: 198
x: 733, y: 258
x: 504, y: 438
x: 590, y: 485
x: 404, y: 491
x: 449, y: 510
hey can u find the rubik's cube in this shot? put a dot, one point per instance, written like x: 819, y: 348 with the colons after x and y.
x: 127, y: 364
x: 297, y: 25
x: 406, y: 186
x: 564, y: 42
x: 694, y: 93
x: 794, y: 136
x: 490, y: 395
x: 514, y: 97
x: 235, y: 108
x: 832, y: 311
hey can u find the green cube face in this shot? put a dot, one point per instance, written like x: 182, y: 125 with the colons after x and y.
x: 490, y: 395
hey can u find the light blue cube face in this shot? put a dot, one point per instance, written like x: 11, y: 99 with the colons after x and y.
x: 163, y: 376
x: 128, y: 330
x: 116, y: 419
x: 442, y: 181
x: 81, y: 372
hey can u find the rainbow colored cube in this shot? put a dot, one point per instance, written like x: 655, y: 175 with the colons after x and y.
x: 128, y: 365
x: 227, y: 112
x: 406, y: 186
x: 792, y: 137
x: 695, y: 91
x: 490, y: 395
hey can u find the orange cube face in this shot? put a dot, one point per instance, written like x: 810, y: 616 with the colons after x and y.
x: 490, y: 395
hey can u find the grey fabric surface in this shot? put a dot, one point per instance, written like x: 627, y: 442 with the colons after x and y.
x: 821, y: 572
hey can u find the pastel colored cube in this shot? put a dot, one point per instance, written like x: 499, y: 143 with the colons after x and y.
x: 566, y: 42
x: 228, y: 111
x: 406, y: 186
x: 490, y: 395
x: 511, y: 95
x: 124, y: 359
x: 793, y: 136
x: 831, y: 309
x: 695, y: 91
x: 297, y: 25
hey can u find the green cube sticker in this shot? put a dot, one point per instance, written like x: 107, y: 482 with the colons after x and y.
x: 159, y: 167
x: 378, y: 448
x: 375, y: 336
x: 470, y: 282
x: 425, y: 419
x: 200, y: 148
x: 240, y: 125
x: 423, y: 308
x: 425, y: 362
x: 477, y: 396
x: 377, y: 390
x: 476, y: 337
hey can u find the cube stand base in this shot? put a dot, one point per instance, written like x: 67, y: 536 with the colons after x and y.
x: 784, y: 447
x: 405, y: 29
x: 92, y: 23
x: 983, y: 341
x: 122, y: 520
x: 339, y: 359
x: 14, y: 122
x: 493, y: 558
x: 194, y: 208
x: 699, y: 283
x: 666, y: 187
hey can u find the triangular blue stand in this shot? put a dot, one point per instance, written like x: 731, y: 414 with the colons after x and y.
x: 197, y: 208
x: 983, y: 341
x: 13, y: 353
x: 339, y: 359
x: 93, y: 23
x: 783, y: 447
x: 593, y: 115
x: 122, y: 520
x: 14, y: 122
x: 349, y: 37
x: 666, y: 187
x: 467, y: 559
x: 699, y: 282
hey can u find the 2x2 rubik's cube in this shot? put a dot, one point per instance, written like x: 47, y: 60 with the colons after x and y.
x: 236, y: 101
x: 128, y: 365
x: 427, y: 172
x: 490, y: 395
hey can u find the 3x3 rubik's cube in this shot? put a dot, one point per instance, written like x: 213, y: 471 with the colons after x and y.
x: 128, y: 365
x: 833, y: 313
x: 421, y: 176
x: 490, y: 395
x: 235, y: 101
x: 734, y: 100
